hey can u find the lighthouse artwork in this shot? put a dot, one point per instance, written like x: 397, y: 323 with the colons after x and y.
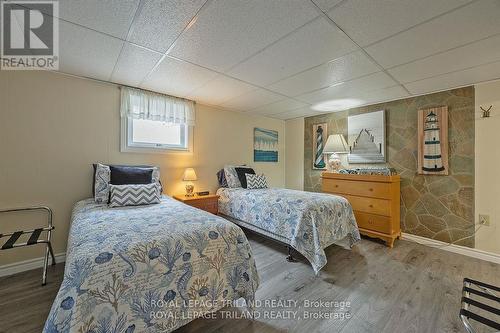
x: 320, y: 134
x: 433, y: 141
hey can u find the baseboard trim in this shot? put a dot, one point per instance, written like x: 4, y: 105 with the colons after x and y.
x: 26, y: 265
x: 466, y: 251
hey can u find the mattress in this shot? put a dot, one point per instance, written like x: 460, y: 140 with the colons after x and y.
x: 149, y: 268
x: 309, y: 222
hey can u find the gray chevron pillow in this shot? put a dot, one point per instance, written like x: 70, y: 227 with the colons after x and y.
x: 134, y: 195
x: 256, y: 181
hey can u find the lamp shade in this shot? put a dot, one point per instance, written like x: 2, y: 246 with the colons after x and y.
x: 336, y: 144
x: 189, y: 175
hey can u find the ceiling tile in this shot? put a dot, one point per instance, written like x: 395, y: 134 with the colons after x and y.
x: 87, y: 53
x: 161, y: 22
x: 251, y: 100
x: 326, y: 5
x: 279, y: 107
x: 302, y: 112
x: 353, y: 65
x: 315, y: 43
x: 467, y: 24
x: 228, y: 31
x: 456, y: 79
x: 349, y: 89
x: 134, y: 64
x: 367, y: 21
x: 450, y: 61
x: 177, y: 78
x: 383, y: 95
x: 220, y: 90
x: 111, y: 17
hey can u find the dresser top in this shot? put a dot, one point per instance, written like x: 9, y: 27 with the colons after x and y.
x: 366, y: 178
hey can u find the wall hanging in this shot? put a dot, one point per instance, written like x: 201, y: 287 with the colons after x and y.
x: 366, y: 137
x: 433, y: 141
x: 265, y: 145
x: 320, y: 135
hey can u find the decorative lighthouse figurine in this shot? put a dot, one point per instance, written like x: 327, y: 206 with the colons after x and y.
x: 432, y: 145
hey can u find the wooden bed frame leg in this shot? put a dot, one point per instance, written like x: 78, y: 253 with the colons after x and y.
x: 290, y: 257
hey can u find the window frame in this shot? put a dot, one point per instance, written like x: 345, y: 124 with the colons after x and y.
x: 128, y: 146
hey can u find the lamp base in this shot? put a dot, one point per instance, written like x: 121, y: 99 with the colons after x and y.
x: 334, y: 163
x: 189, y: 190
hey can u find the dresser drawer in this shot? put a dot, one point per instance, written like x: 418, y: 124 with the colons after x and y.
x: 209, y: 206
x: 374, y: 222
x: 366, y: 189
x: 369, y: 205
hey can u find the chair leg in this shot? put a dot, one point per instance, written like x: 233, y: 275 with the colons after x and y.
x: 52, y: 254
x: 45, y: 264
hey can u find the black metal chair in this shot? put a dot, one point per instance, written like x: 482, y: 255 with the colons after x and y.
x: 480, y: 291
x: 34, y: 236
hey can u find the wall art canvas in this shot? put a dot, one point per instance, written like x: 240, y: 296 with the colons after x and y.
x: 366, y: 138
x: 265, y: 145
x: 433, y: 141
x: 320, y: 135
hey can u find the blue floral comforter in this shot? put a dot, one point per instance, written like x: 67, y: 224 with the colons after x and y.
x: 149, y: 268
x: 309, y: 222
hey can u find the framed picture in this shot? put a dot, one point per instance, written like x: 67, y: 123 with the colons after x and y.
x: 320, y: 135
x: 366, y: 138
x: 265, y: 145
x: 433, y: 141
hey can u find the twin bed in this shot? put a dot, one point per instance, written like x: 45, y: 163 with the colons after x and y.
x: 154, y: 268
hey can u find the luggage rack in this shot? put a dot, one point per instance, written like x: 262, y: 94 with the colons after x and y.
x: 34, y: 237
x: 486, y: 291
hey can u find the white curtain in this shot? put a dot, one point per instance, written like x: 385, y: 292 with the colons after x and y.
x: 140, y: 104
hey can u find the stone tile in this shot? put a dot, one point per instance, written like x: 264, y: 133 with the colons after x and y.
x: 444, y: 186
x: 432, y: 223
x: 410, y: 196
x: 466, y: 195
x: 433, y: 205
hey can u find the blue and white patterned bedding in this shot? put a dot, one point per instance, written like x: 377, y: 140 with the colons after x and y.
x: 309, y: 222
x: 149, y: 268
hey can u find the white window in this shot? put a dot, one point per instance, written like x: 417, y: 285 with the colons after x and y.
x: 155, y: 123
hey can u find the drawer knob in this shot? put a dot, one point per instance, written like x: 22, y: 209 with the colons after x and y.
x: 371, y: 190
x: 371, y: 206
x: 370, y: 222
x: 336, y: 186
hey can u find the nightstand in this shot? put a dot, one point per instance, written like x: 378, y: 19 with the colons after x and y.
x: 209, y: 203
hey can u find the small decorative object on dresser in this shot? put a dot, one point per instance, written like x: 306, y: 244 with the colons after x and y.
x: 335, y: 145
x: 209, y: 203
x: 189, y: 177
x: 375, y: 200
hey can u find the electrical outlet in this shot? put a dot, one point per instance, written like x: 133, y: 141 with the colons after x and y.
x: 484, y: 220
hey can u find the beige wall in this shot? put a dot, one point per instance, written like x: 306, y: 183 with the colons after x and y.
x: 294, y: 154
x: 487, y: 161
x: 53, y: 127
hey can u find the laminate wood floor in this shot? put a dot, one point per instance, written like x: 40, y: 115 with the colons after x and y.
x: 410, y: 288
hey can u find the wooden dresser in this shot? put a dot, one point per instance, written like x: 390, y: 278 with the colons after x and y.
x: 375, y: 200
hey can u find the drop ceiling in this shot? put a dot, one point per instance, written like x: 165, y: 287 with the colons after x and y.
x: 281, y: 58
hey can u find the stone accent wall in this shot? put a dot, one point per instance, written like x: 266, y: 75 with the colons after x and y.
x: 437, y: 207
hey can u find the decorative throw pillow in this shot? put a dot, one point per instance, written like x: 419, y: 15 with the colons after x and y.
x: 256, y: 181
x: 101, y: 183
x: 221, y: 178
x: 231, y: 176
x: 124, y: 175
x: 134, y: 195
x: 241, y: 172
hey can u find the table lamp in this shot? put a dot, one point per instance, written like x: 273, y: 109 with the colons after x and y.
x: 335, y: 145
x: 189, y: 177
